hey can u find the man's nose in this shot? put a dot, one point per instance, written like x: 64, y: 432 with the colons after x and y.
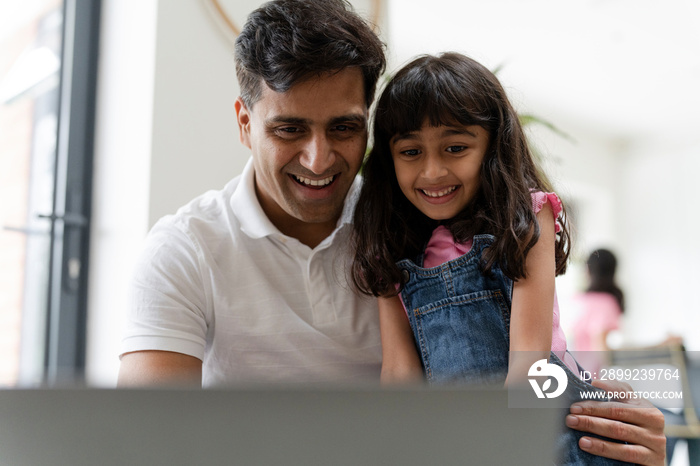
x: 318, y: 155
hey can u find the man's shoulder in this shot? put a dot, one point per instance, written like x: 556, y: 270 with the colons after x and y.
x: 208, y: 213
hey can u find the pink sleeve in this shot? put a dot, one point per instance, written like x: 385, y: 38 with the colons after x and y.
x: 539, y: 199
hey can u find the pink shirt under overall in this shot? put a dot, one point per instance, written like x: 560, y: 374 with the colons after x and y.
x: 442, y: 248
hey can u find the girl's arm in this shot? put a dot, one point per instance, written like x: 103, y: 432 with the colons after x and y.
x: 533, y: 303
x: 400, y: 361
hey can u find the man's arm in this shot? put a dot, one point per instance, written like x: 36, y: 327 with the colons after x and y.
x: 159, y: 368
x: 635, y: 421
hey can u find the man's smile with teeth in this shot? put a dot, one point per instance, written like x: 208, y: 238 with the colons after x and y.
x: 441, y: 193
x: 315, y: 183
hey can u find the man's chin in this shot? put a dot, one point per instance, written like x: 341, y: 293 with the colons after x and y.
x: 320, y: 210
x: 316, y: 212
x: 319, y: 218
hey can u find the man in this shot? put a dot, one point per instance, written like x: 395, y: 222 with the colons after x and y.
x: 251, y: 280
x: 250, y: 283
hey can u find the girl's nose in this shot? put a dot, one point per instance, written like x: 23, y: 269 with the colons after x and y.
x: 318, y: 155
x: 434, y: 168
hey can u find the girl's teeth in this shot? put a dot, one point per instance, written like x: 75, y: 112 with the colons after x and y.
x: 310, y: 182
x: 444, y: 192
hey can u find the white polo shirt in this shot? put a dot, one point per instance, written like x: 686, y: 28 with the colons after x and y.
x: 218, y: 281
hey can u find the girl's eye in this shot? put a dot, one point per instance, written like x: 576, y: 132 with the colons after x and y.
x: 456, y: 149
x: 410, y: 152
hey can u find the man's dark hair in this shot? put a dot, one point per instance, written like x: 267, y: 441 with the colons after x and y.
x: 287, y: 41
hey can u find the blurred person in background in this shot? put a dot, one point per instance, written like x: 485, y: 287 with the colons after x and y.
x: 600, y: 306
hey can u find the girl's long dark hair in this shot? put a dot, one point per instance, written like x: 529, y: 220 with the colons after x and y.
x: 602, y: 264
x: 448, y: 89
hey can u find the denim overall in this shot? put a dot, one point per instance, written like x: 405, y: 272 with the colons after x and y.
x: 461, y: 320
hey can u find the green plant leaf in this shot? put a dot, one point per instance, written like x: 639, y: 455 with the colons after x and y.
x: 529, y: 119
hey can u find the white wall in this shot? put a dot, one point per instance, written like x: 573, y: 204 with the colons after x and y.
x: 122, y: 172
x: 195, y: 137
x: 660, y: 227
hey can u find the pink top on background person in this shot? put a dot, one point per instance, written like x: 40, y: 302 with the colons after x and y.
x: 598, y: 313
x: 442, y: 248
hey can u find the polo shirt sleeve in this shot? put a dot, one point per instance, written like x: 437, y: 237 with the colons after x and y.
x: 167, y: 295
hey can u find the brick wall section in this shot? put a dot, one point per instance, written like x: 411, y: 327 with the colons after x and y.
x: 15, y: 146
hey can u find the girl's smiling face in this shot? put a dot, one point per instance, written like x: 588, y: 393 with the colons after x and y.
x: 438, y: 167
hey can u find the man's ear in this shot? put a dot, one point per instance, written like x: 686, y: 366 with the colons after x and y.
x: 243, y: 118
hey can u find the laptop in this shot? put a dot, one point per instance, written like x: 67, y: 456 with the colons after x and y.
x: 308, y: 426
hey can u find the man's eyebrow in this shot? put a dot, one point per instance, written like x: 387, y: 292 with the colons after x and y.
x: 353, y: 118
x: 287, y: 120
x: 290, y: 120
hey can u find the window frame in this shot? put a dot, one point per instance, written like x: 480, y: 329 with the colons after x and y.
x: 66, y: 332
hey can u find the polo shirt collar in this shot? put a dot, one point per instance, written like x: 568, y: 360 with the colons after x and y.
x: 247, y: 208
x: 254, y: 221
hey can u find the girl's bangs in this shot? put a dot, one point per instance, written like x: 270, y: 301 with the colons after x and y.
x: 425, y: 96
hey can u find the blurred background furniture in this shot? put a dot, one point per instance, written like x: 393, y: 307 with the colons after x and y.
x: 682, y: 421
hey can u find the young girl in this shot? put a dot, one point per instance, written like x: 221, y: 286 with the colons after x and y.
x: 459, y: 235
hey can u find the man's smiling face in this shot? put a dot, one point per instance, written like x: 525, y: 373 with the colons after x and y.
x: 308, y: 144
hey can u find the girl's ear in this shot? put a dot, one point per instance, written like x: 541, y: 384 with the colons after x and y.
x: 243, y: 118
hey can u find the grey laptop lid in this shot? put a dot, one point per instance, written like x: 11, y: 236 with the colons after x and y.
x: 271, y: 427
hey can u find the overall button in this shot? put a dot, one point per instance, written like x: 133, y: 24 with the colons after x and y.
x: 406, y: 275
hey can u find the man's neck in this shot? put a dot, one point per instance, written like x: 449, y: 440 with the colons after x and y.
x: 310, y: 234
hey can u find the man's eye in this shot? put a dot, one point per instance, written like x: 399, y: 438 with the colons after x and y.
x: 288, y: 131
x: 345, y: 128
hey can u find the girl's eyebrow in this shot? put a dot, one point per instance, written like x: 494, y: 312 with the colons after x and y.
x: 448, y: 131
x: 458, y: 130
x: 403, y: 136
